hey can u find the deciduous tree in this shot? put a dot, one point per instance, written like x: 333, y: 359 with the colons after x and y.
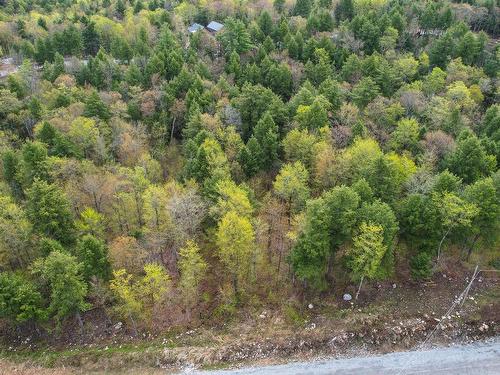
x: 366, y: 253
x: 193, y: 268
x: 236, y: 244
x: 20, y: 301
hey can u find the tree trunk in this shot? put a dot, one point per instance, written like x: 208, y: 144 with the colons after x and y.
x: 236, y: 289
x: 120, y: 223
x: 96, y: 203
x: 269, y: 243
x: 172, y: 130
x: 441, y: 243
x: 471, y: 247
x: 138, y: 209
x: 157, y: 220
x: 329, y: 267
x: 359, y: 288
x: 134, y: 326
x: 289, y: 223
x: 279, y: 259
x: 80, y: 322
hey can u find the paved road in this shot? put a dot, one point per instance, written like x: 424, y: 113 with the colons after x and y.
x: 475, y: 359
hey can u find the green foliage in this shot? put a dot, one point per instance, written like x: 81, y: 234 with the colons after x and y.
x: 15, y: 242
x: 234, y: 37
x: 313, y: 117
x: 420, y: 221
x: 34, y: 163
x: 136, y: 297
x: 291, y: 185
x: 127, y: 305
x: 62, y: 275
x: 209, y: 165
x: 470, y: 161
x: 420, y: 266
x: 344, y: 10
x: 279, y: 79
x: 94, y: 107
x: 319, y: 68
x: 484, y: 195
x: 266, y: 135
x: 302, y: 8
x: 364, y: 92
x: 49, y: 211
x: 231, y: 197
x: 48, y: 245
x: 235, y: 241
x: 367, y: 251
x: 57, y: 143
x: 294, y: 316
x: 20, y: 301
x: 298, y: 145
x: 456, y: 214
x: 91, y: 222
x: 329, y: 221
x: 265, y: 23
x: 380, y: 214
x: 93, y: 254
x: 310, y: 253
x: 446, y: 182
x: 318, y: 131
x: 84, y: 135
x: 254, y: 102
x: 193, y: 269
x: 406, y: 135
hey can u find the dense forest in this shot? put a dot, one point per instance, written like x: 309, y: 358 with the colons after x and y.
x: 172, y: 162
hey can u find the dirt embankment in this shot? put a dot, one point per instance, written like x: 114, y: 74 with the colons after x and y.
x: 388, y: 318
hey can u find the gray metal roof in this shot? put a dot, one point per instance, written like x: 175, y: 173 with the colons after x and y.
x: 215, y: 26
x: 195, y: 27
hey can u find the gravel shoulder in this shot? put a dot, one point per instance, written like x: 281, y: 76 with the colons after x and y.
x: 479, y: 358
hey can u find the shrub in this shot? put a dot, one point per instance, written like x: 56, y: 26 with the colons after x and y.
x: 420, y: 266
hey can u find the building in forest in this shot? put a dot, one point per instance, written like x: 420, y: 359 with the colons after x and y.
x: 214, y: 27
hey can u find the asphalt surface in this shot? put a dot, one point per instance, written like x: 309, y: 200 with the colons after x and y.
x: 475, y: 359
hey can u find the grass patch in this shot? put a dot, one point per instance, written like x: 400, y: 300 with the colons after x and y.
x: 215, y: 366
x: 294, y: 316
x: 51, y: 358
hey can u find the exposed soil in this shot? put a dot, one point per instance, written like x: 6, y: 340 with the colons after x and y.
x: 388, y: 317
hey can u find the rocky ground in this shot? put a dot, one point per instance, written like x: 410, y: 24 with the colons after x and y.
x: 387, y: 318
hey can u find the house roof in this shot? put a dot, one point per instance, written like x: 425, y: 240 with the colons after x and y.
x: 215, y: 26
x: 195, y: 27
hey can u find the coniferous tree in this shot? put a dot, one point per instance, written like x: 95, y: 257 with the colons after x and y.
x: 91, y: 41
x: 49, y: 211
x: 266, y: 135
x: 93, y: 254
x: 120, y: 8
x: 302, y: 8
x: 67, y: 290
x: 95, y: 107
